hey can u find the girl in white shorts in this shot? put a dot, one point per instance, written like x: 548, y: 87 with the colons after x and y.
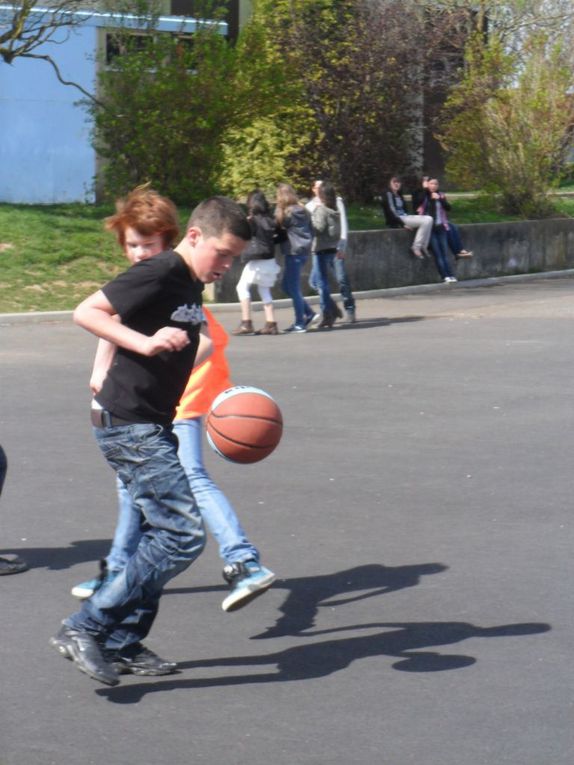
x: 260, y: 267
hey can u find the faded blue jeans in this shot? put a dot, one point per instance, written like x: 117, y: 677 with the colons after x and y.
x: 145, y: 459
x: 322, y: 261
x: 291, y: 286
x: 342, y: 278
x: 438, y: 245
x: 214, y: 507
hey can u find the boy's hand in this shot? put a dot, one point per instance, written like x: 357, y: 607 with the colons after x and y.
x: 166, y: 339
x: 96, y: 382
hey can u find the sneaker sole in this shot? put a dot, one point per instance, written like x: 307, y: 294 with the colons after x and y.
x: 121, y: 669
x: 81, y: 594
x: 236, y: 600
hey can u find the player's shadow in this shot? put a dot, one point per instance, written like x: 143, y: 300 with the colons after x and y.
x: 306, y: 595
x: 406, y: 642
x: 58, y: 558
x: 400, y: 640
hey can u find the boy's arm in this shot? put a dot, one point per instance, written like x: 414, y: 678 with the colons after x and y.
x: 106, y: 352
x: 342, y: 246
x: 102, y: 362
x: 205, y: 347
x: 96, y: 314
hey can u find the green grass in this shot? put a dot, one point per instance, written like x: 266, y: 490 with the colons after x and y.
x: 52, y: 257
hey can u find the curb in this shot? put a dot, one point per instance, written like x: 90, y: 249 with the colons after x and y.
x: 59, y: 316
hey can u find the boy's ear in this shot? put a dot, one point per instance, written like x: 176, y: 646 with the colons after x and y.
x: 193, y: 235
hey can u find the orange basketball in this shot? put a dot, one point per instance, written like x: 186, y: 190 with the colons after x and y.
x: 244, y: 424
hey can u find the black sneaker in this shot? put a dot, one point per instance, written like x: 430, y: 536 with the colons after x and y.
x: 13, y: 565
x: 83, y: 649
x: 139, y: 661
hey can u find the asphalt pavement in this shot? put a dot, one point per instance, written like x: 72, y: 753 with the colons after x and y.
x: 417, y: 513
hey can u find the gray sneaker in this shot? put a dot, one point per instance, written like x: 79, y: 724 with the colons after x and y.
x: 247, y: 580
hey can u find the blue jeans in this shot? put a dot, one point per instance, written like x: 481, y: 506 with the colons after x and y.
x: 342, y: 279
x: 213, y: 505
x: 145, y: 459
x: 438, y: 244
x: 322, y: 261
x: 292, y: 286
x: 453, y: 238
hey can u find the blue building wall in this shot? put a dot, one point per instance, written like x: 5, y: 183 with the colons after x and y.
x: 45, y: 151
x: 46, y: 155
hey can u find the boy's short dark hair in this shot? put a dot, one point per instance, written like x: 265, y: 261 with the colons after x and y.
x: 220, y: 215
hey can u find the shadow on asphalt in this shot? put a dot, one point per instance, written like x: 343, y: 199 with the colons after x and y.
x: 401, y: 641
x: 370, y: 323
x: 404, y: 641
x: 58, y: 558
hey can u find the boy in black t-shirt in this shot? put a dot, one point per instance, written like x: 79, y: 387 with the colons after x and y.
x: 159, y: 303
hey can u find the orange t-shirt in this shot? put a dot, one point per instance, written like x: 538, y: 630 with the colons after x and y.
x: 209, y: 379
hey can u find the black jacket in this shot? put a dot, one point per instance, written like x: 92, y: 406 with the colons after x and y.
x: 428, y: 205
x: 389, y: 203
x: 262, y: 244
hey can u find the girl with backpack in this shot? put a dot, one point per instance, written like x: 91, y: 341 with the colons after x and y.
x: 326, y: 222
x: 296, y: 237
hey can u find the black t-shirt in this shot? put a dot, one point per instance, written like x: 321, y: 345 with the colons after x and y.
x: 155, y: 293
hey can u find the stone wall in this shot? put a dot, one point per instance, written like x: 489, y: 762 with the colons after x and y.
x: 381, y: 259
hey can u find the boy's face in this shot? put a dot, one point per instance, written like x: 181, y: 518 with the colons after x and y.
x: 141, y: 246
x: 210, y: 258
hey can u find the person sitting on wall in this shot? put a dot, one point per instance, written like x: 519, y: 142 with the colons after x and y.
x: 453, y: 234
x: 397, y: 216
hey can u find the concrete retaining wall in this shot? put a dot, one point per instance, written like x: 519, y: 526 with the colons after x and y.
x: 381, y: 259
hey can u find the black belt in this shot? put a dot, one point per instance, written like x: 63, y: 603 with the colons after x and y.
x: 101, y: 418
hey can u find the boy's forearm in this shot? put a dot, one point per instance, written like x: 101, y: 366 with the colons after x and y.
x: 102, y: 362
x: 96, y: 314
x: 104, y: 326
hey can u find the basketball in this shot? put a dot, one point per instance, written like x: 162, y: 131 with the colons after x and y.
x: 244, y: 424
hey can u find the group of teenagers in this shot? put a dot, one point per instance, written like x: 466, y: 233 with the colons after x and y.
x: 316, y: 230
x: 429, y: 219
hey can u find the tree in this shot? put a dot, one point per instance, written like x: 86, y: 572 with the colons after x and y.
x: 166, y: 104
x: 25, y: 27
x: 29, y: 25
x: 508, y: 124
x: 351, y: 101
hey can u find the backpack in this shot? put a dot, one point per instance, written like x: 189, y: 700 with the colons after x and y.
x: 299, y: 230
x: 334, y: 224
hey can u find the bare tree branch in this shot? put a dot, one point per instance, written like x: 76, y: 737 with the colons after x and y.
x: 58, y: 74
